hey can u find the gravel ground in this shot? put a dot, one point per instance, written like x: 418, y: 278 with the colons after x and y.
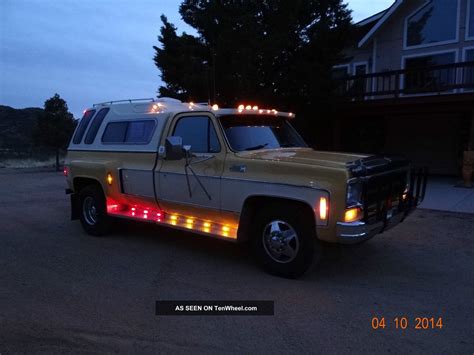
x: 62, y: 291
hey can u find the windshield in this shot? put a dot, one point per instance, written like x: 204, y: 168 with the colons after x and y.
x: 253, y: 132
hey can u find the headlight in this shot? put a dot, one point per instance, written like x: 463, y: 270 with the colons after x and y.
x: 354, y: 193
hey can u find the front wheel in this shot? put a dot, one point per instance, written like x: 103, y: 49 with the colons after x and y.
x: 93, y: 217
x: 284, y: 243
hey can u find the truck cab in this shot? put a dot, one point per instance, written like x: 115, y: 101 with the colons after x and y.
x: 239, y: 174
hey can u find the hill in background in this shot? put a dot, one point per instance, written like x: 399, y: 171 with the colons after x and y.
x: 16, y: 131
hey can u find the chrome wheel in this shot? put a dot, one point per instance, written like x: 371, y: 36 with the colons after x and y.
x: 89, y: 210
x: 280, y: 241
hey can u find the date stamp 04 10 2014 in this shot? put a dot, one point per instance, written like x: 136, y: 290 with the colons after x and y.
x: 418, y: 323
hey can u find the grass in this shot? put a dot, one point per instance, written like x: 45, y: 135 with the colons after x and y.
x: 19, y: 163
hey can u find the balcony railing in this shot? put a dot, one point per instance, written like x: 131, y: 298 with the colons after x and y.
x: 432, y: 80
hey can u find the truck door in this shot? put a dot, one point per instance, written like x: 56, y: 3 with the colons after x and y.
x: 190, y: 194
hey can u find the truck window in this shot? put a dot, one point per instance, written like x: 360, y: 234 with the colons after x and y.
x: 129, y: 132
x: 253, y: 132
x: 139, y: 131
x: 95, y: 125
x: 199, y: 133
x: 82, y: 126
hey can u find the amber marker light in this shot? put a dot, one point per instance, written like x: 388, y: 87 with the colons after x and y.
x: 225, y: 229
x: 110, y: 179
x: 323, y: 208
x: 206, y: 225
x: 174, y: 219
x: 352, y: 215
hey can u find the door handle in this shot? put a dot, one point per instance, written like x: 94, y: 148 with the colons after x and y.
x: 238, y: 168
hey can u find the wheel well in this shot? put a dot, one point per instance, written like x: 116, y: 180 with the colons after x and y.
x: 80, y: 182
x: 255, y: 203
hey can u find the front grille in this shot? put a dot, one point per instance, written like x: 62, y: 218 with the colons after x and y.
x: 382, y: 194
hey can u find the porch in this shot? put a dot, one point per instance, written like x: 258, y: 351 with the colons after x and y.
x: 425, y: 113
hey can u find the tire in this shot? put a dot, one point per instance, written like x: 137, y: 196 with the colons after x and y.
x: 93, y: 214
x: 288, y: 258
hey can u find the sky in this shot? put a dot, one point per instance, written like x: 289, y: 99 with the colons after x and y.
x: 90, y: 51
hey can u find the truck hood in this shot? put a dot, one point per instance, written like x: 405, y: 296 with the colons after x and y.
x: 305, y: 156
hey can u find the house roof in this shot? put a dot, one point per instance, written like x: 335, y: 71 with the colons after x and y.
x: 381, y: 18
x: 371, y: 19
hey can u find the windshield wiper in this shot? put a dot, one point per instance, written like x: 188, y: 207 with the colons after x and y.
x: 260, y: 146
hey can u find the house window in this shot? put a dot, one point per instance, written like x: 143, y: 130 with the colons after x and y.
x: 468, y: 72
x: 420, y: 78
x: 360, y: 83
x: 469, y: 55
x: 339, y: 75
x: 435, y: 22
x: 470, y: 20
x: 340, y: 72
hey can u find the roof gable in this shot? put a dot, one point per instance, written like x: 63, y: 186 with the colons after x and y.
x: 387, y: 14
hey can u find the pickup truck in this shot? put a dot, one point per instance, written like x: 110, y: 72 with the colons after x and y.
x: 239, y: 174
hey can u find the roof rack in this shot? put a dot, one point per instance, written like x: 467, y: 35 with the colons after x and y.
x: 159, y: 99
x: 120, y: 101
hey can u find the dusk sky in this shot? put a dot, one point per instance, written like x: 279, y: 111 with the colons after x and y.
x: 91, y: 50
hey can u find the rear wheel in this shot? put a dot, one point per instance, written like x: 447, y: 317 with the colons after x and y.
x: 93, y: 217
x: 284, y: 243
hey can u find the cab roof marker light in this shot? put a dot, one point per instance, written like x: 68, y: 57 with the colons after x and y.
x: 215, y: 107
x: 255, y: 108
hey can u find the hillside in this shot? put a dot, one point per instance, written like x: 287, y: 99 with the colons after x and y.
x: 16, y: 130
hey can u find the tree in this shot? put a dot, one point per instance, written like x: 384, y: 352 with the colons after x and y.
x: 55, y: 126
x: 275, y: 52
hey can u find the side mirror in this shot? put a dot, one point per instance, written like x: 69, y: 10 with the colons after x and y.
x: 174, y: 148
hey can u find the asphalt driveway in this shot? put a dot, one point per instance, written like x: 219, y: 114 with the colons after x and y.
x: 63, y: 291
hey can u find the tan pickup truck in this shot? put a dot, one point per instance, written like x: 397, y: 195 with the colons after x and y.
x: 240, y: 174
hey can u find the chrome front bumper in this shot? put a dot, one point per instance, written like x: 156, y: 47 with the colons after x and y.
x: 356, y: 232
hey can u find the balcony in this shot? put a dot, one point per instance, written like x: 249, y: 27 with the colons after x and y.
x: 446, y: 79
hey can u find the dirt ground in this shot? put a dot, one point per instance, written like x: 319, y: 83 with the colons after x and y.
x: 64, y: 291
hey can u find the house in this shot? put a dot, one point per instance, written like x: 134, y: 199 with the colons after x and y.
x: 407, y: 84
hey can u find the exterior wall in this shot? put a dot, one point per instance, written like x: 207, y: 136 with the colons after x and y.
x: 385, y: 51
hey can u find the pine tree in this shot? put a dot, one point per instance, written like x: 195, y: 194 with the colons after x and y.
x: 277, y: 52
x: 55, y: 126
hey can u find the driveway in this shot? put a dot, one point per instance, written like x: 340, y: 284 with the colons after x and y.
x: 64, y: 291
